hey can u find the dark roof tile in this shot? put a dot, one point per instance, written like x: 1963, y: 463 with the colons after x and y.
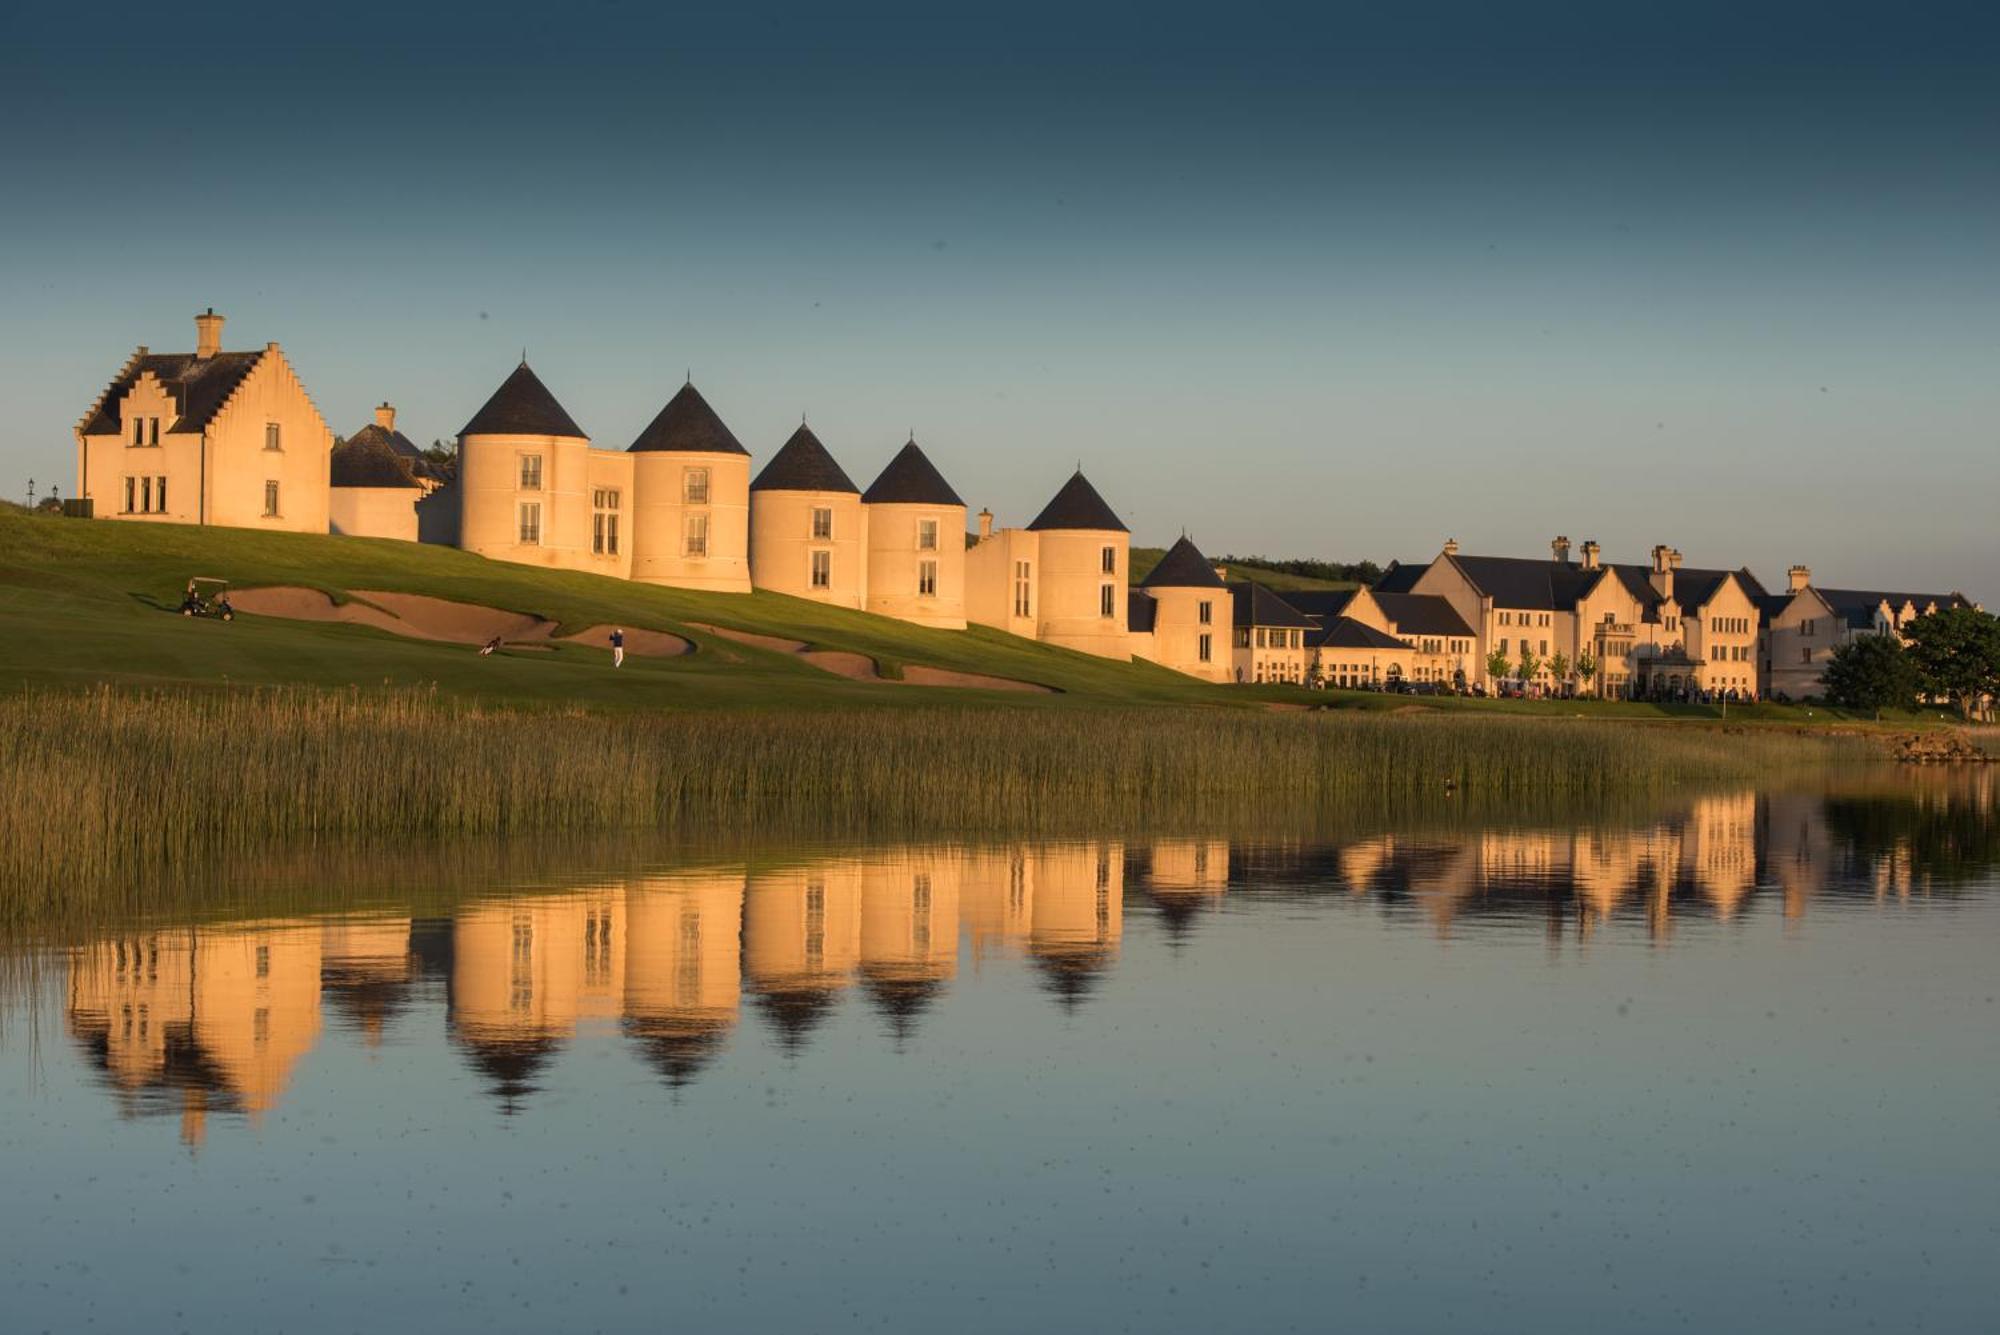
x: 910, y: 479
x: 1078, y: 506
x: 1255, y: 605
x: 803, y: 464
x: 368, y: 461
x: 1183, y: 567
x: 1423, y: 614
x: 687, y: 425
x: 1139, y: 610
x: 199, y: 386
x: 522, y: 406
x: 1347, y: 633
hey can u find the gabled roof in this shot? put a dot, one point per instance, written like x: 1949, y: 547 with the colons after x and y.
x: 1857, y: 606
x: 687, y: 425
x: 396, y: 441
x: 1321, y: 604
x: 803, y: 465
x: 199, y: 386
x: 1183, y: 567
x: 1255, y: 605
x: 1423, y: 614
x: 910, y: 479
x: 1693, y: 586
x: 367, y: 460
x: 1078, y: 506
x: 1399, y: 578
x: 1139, y: 611
x: 1525, y: 582
x: 522, y: 406
x: 1347, y: 633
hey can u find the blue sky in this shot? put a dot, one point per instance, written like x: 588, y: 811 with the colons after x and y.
x: 1303, y: 280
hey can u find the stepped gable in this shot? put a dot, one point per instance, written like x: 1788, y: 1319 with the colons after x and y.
x: 199, y: 385
x: 369, y: 461
x: 522, y: 406
x: 1857, y: 606
x: 1183, y: 567
x: 1078, y: 506
x: 687, y: 425
x: 803, y: 464
x: 910, y: 479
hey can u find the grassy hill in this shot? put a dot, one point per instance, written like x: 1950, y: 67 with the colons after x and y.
x: 84, y: 602
x: 1145, y: 558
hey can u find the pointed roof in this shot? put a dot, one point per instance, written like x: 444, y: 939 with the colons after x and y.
x: 1078, y: 506
x: 1347, y: 633
x: 396, y: 441
x: 522, y: 406
x: 1183, y: 567
x: 369, y: 461
x: 687, y: 425
x: 910, y: 479
x: 803, y: 465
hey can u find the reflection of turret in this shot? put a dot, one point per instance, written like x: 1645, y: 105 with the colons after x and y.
x: 1078, y: 915
x: 199, y: 1019
x: 366, y: 969
x: 1186, y: 877
x: 909, y: 932
x: 801, y: 938
x: 524, y: 971
x: 683, y: 968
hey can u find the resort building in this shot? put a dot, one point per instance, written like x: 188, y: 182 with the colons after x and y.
x: 206, y: 437
x: 1063, y: 580
x: 1176, y: 616
x: 916, y: 543
x: 1269, y: 636
x: 808, y: 532
x: 377, y: 478
x: 690, y: 499
x: 1804, y: 626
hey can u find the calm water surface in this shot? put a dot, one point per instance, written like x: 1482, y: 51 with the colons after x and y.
x: 1730, y: 1064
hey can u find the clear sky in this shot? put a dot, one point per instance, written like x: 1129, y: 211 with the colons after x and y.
x: 1319, y: 280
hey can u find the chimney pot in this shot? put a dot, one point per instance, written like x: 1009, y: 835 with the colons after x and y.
x: 1799, y: 577
x: 1560, y: 547
x: 207, y: 333
x: 1451, y: 546
x: 385, y: 416
x: 1590, y: 551
x: 985, y: 523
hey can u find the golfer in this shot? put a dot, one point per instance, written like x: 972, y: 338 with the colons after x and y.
x: 617, y: 647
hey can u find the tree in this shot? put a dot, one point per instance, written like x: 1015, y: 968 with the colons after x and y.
x: 1957, y: 656
x: 1875, y: 673
x: 1529, y: 664
x: 1497, y: 666
x: 1586, y: 668
x: 1559, y: 666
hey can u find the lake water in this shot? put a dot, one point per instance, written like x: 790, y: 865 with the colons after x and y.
x: 1732, y: 1063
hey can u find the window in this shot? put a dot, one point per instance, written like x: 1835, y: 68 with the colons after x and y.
x: 270, y: 499
x: 1204, y: 648
x: 1107, y: 600
x: 927, y: 531
x: 927, y: 579
x: 138, y: 431
x: 694, y: 486
x: 822, y: 523
x: 146, y: 494
x: 1204, y: 612
x: 1108, y: 560
x: 531, y: 472
x: 696, y: 533
x: 822, y: 569
x: 273, y: 440
x: 531, y: 523
x: 160, y: 494
x: 1023, y: 606
x: 131, y: 491
x: 604, y: 521
x: 1805, y: 655
x: 152, y: 431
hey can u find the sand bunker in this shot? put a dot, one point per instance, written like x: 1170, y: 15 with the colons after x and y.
x: 425, y: 618
x: 915, y: 675
x: 855, y: 667
x: 774, y: 643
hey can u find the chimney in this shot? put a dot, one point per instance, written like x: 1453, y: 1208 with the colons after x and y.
x: 1664, y: 561
x: 207, y: 333
x: 385, y: 416
x: 1674, y: 558
x: 1222, y: 573
x: 985, y: 523
x: 1799, y: 577
x: 1590, y: 551
x: 1561, y: 549
x: 1451, y: 546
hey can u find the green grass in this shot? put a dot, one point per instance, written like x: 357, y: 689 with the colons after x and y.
x: 1143, y: 559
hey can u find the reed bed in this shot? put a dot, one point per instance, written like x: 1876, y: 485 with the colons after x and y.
x: 117, y: 783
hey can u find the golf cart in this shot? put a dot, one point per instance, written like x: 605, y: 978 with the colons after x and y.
x: 207, y: 597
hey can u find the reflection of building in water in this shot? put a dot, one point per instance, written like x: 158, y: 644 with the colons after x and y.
x: 1797, y: 850
x: 683, y: 967
x: 366, y: 969
x: 1076, y: 916
x: 1185, y: 877
x: 801, y: 941
x: 1719, y: 849
x: 996, y: 899
x: 201, y: 1017
x: 909, y: 931
x: 524, y: 972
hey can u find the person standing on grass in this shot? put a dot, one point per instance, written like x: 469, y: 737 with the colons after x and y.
x: 617, y: 647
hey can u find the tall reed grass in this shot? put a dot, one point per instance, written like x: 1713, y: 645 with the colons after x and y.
x: 117, y: 783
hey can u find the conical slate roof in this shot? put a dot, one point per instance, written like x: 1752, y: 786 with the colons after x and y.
x: 1078, y: 505
x: 910, y: 479
x: 803, y: 465
x: 687, y: 425
x: 1183, y: 567
x: 522, y: 406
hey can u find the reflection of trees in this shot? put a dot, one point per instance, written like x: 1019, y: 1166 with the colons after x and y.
x: 1944, y: 841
